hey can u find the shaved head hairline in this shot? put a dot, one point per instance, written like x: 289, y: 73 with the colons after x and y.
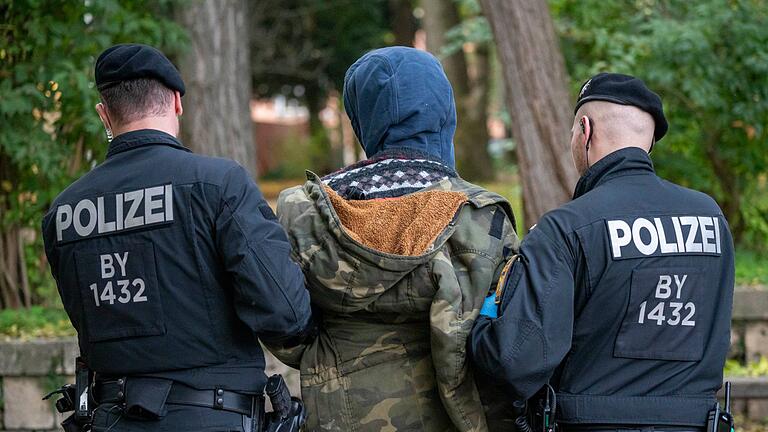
x: 618, y: 125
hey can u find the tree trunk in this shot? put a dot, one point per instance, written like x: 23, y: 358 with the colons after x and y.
x: 537, y: 99
x: 730, y: 183
x: 325, y: 158
x: 472, y: 134
x: 402, y: 22
x: 12, y: 281
x: 439, y: 17
x: 471, y: 140
x: 217, y: 74
x: 14, y: 285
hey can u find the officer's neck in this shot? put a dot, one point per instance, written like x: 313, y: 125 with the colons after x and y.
x: 598, y: 152
x: 167, y: 124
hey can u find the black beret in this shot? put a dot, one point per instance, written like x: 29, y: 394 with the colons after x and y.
x: 132, y: 61
x: 624, y: 90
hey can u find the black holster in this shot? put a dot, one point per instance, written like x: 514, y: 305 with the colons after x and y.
x: 77, y: 398
x: 288, y: 413
x: 70, y: 424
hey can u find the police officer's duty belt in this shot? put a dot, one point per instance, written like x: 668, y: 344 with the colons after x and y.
x: 114, y: 391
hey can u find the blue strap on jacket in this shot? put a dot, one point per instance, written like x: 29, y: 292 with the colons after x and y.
x: 490, y: 308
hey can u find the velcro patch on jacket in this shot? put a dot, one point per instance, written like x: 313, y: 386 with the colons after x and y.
x: 497, y: 224
x: 114, y: 212
x: 120, y: 292
x: 639, y: 237
x: 669, y: 315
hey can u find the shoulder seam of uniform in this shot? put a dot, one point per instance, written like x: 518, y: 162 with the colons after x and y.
x: 222, y: 197
x: 553, y: 242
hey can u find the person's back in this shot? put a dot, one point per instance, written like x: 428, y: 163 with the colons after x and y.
x: 399, y: 253
x: 168, y: 264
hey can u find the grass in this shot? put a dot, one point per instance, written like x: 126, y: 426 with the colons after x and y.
x: 35, y: 322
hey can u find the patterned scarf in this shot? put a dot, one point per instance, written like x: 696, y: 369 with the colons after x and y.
x: 388, y: 174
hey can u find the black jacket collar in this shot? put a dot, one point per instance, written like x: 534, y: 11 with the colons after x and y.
x: 141, y: 137
x: 627, y: 161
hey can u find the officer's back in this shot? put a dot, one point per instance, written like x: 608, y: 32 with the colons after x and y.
x: 170, y: 265
x: 621, y: 299
x: 655, y: 287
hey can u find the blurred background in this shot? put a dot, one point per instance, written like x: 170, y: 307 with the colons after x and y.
x: 264, y: 81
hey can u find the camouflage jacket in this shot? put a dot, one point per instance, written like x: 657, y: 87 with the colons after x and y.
x: 391, y: 354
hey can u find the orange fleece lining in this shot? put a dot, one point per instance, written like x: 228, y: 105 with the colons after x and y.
x: 406, y: 225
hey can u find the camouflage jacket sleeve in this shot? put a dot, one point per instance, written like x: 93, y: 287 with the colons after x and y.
x: 465, y: 273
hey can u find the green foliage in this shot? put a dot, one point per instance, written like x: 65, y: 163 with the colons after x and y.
x: 46, y: 82
x: 312, y: 43
x: 50, y: 132
x: 751, y: 268
x: 733, y: 368
x: 35, y: 322
x: 302, y: 49
x: 42, y: 284
x: 474, y: 28
x: 755, y: 214
x: 709, y: 61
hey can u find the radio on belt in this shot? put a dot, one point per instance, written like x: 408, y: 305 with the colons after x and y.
x: 721, y: 420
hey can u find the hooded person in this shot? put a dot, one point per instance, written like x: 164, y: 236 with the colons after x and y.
x: 399, y: 253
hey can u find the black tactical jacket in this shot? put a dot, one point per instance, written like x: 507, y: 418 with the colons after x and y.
x: 621, y: 299
x: 172, y: 264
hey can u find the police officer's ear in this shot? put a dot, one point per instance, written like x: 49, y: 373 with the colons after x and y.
x: 586, y: 130
x: 104, y: 116
x: 177, y: 107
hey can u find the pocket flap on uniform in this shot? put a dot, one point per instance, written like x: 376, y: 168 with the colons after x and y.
x: 668, y: 316
x: 119, y: 289
x: 145, y: 397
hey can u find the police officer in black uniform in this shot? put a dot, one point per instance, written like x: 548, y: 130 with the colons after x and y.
x: 171, y: 265
x: 620, y: 299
